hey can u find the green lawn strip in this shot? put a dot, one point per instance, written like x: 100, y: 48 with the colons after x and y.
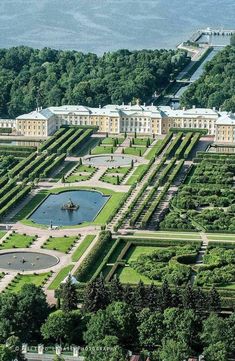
x: 61, y: 244
x: 85, y: 168
x: 109, y: 207
x: 120, y: 170
x: 169, y: 235
x: 2, y: 233
x: 221, y: 237
x: 20, y: 280
x: 137, y: 151
x: 136, y: 174
x: 82, y: 247
x: 77, y: 178
x: 28, y: 208
x: 103, y: 150
x: 153, y: 150
x: 111, y: 140
x: 60, y: 277
x: 101, y: 218
x: 17, y: 241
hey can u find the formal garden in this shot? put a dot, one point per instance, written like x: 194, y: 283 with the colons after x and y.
x: 206, y: 200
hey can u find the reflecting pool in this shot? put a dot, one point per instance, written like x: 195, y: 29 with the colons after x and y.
x: 87, y: 204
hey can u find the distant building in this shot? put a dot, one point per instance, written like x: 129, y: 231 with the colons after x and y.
x: 115, y: 119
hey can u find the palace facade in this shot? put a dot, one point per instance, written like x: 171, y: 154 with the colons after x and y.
x: 115, y: 119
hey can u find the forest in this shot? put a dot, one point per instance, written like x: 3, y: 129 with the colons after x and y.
x: 55, y: 77
x: 215, y: 88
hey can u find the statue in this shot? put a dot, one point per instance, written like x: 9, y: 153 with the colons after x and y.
x: 70, y: 206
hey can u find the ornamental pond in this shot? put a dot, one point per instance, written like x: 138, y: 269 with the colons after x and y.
x: 69, y: 208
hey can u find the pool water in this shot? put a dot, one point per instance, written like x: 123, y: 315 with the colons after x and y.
x: 50, y: 211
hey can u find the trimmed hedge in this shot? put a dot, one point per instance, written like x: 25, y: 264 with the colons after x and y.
x: 58, y: 142
x: 15, y: 171
x: 13, y: 201
x: 69, y: 141
x: 59, y: 160
x: 174, y: 144
x: 190, y: 147
x: 51, y: 140
x: 97, y: 251
x: 79, y: 141
x: 179, y: 152
x: 31, y: 166
x: 164, y: 175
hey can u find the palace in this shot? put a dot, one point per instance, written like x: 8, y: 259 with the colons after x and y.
x: 115, y: 119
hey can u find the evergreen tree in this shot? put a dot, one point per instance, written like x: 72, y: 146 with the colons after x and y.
x: 165, y: 296
x: 176, y: 298
x: 96, y: 296
x: 127, y: 294
x: 116, y: 289
x: 69, y: 295
x: 188, y: 297
x: 214, y: 302
x: 139, y: 296
x: 152, y: 297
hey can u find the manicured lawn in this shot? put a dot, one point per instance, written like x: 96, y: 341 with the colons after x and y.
x: 110, y: 179
x: 135, y: 251
x: 61, y: 244
x: 137, y: 151
x: 221, y: 237
x: 28, y: 208
x: 78, y: 174
x: 60, y: 277
x: 103, y: 150
x: 2, y: 233
x: 111, y: 140
x: 21, y: 280
x: 120, y: 170
x: 142, y: 141
x: 129, y: 275
x: 168, y: 235
x: 82, y: 247
x: 136, y: 174
x: 110, y: 175
x: 153, y: 150
x: 109, y: 208
x: 77, y: 178
x: 17, y: 241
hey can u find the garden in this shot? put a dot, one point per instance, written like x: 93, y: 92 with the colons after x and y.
x: 81, y: 173
x: 206, y: 201
x: 218, y: 266
x: 146, y: 259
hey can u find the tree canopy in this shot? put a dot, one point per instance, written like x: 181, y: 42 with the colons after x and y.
x: 57, y: 77
x: 215, y: 88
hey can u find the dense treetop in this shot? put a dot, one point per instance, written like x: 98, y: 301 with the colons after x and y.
x: 70, y: 77
x: 215, y: 88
